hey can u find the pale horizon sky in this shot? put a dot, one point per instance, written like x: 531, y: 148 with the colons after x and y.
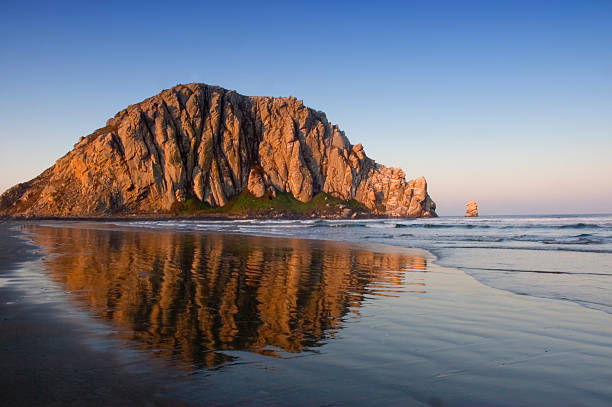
x: 509, y: 104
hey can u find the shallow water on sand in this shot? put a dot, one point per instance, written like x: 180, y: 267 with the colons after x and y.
x: 282, y: 321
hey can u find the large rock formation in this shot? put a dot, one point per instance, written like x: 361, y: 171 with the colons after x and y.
x: 212, y: 143
x: 471, y: 209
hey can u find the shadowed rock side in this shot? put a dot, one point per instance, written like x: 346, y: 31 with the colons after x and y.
x: 207, y: 142
x: 189, y: 297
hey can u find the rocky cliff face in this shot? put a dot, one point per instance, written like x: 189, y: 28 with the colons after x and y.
x: 210, y: 143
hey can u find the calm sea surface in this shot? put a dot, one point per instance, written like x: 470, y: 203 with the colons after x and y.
x: 321, y: 313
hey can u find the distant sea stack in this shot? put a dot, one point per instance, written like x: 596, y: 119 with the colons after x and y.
x: 471, y: 209
x: 211, y: 144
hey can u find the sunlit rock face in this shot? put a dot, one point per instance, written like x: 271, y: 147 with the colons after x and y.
x: 211, y: 143
x: 471, y: 209
x: 192, y: 296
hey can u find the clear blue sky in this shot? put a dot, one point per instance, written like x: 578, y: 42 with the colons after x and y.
x: 508, y: 103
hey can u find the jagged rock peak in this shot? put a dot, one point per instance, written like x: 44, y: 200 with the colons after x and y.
x: 204, y: 141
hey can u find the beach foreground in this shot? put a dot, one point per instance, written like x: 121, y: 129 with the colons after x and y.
x: 115, y: 314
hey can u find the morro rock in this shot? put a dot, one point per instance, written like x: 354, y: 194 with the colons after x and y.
x: 471, y: 209
x: 206, y: 142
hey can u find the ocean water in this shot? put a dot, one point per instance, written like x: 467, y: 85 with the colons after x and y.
x: 567, y: 257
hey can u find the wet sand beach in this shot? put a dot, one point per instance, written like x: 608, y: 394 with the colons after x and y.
x: 120, y: 315
x: 52, y: 358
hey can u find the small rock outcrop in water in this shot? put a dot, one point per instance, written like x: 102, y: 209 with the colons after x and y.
x: 471, y: 209
x: 210, y: 143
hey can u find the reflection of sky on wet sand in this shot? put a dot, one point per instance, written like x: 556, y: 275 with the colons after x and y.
x: 191, y: 296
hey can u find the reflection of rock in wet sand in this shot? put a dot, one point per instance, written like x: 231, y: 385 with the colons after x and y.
x: 189, y: 295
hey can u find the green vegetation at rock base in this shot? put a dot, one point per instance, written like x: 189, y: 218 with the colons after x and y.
x: 283, y: 203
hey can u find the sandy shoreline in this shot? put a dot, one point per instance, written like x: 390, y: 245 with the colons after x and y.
x: 451, y: 341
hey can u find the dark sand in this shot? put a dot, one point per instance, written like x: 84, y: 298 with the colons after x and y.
x: 48, y: 359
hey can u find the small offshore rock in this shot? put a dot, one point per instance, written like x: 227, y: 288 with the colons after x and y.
x: 471, y: 209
